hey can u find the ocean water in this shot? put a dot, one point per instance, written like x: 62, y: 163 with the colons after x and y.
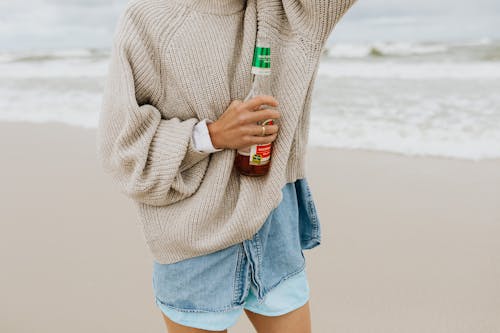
x: 405, y: 95
x: 440, y: 99
x: 412, y: 98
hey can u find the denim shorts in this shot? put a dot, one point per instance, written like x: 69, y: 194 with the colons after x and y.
x: 265, y: 274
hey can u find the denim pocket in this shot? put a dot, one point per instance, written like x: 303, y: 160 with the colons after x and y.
x: 309, y: 224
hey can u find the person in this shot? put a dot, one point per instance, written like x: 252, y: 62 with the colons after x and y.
x: 171, y: 120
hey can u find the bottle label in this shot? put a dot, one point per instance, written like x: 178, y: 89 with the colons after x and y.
x: 261, y: 63
x: 261, y: 154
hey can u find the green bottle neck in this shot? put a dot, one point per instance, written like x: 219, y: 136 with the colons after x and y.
x: 261, y: 62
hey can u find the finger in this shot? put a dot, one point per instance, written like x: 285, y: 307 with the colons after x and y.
x: 264, y: 114
x: 259, y: 140
x: 255, y: 103
x: 257, y: 129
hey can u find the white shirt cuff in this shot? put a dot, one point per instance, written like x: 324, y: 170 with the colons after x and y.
x: 201, y: 137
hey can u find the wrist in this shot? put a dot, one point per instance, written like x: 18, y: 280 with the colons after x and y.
x: 212, y: 131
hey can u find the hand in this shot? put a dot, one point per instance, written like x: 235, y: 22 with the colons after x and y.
x: 237, y: 127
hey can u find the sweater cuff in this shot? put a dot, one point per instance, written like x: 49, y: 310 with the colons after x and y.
x: 193, y: 155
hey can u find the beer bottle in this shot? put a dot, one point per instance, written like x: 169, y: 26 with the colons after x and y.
x: 256, y: 159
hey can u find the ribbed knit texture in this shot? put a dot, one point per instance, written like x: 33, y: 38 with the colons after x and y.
x: 175, y: 62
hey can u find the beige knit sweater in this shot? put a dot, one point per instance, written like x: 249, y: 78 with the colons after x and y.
x: 175, y: 62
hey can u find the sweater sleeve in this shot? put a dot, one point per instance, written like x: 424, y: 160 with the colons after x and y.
x: 152, y: 159
x: 315, y: 19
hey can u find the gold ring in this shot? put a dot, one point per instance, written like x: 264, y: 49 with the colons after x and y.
x: 263, y: 130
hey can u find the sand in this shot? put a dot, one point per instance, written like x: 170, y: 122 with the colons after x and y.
x: 409, y: 244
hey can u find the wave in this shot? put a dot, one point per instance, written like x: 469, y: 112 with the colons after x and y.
x: 482, y: 49
x: 53, y: 66
x: 383, y: 49
x: 406, y: 140
x: 53, y: 55
x: 410, y: 70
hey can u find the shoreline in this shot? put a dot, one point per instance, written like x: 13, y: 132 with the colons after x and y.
x: 55, y: 125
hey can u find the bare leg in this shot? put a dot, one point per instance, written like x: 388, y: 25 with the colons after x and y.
x: 173, y: 327
x: 296, y: 321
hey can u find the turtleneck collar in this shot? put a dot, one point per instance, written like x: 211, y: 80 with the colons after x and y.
x: 223, y: 7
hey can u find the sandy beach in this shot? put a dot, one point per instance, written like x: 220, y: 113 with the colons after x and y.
x: 409, y: 244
